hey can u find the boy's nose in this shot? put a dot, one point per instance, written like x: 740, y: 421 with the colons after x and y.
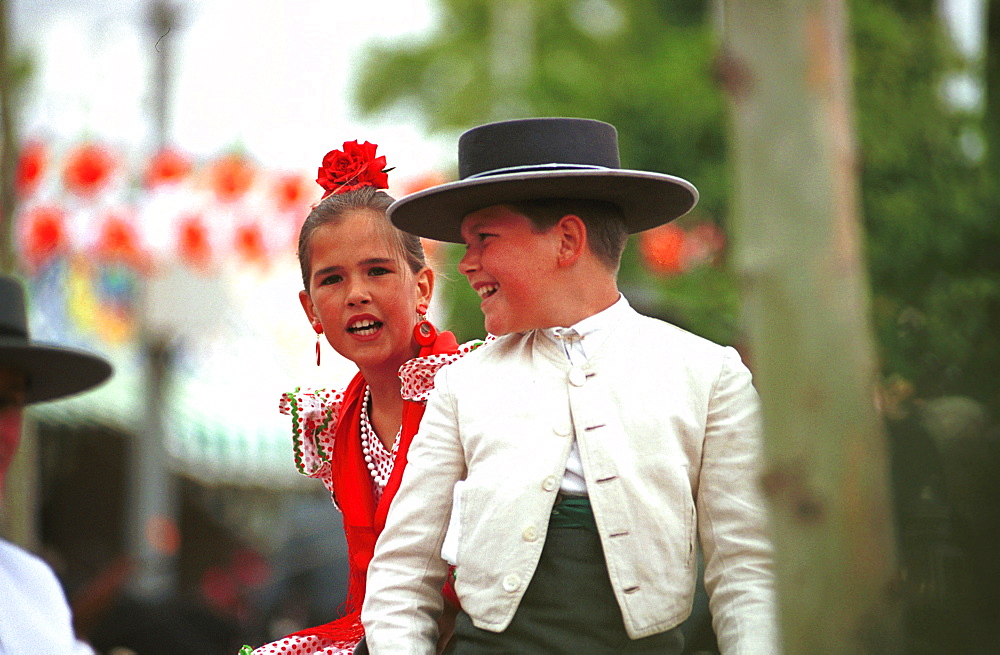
x: 468, y: 263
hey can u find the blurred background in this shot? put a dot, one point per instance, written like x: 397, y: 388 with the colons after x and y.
x: 161, y: 157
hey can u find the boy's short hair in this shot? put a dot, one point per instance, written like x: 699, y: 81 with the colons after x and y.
x: 605, y: 221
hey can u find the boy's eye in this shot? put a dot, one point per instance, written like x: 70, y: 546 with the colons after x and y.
x: 484, y: 235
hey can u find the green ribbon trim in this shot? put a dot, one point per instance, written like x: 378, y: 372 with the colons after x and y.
x: 313, y: 435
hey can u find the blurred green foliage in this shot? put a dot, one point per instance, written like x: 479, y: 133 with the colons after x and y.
x: 931, y: 210
x: 647, y: 67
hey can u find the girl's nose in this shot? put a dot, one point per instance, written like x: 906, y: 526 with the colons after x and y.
x: 358, y: 294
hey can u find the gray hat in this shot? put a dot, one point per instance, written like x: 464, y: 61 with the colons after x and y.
x: 52, y: 371
x: 537, y: 159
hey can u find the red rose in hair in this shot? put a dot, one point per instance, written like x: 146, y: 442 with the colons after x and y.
x: 352, y: 168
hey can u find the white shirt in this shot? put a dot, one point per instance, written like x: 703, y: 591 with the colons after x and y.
x: 34, y: 615
x: 577, y: 341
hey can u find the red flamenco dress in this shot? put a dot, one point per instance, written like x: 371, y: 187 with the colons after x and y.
x: 328, y: 439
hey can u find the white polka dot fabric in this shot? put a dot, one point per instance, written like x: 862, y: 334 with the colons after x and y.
x: 417, y: 375
x: 308, y: 645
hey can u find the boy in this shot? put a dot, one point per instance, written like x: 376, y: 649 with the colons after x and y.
x: 581, y: 454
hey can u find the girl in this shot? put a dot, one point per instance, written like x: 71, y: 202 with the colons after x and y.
x: 366, y: 288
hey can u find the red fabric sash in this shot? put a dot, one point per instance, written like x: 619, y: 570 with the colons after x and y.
x: 352, y: 488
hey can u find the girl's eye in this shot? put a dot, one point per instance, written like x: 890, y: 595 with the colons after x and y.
x: 378, y: 270
x: 331, y: 279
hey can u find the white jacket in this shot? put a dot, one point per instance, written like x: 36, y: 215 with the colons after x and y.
x: 668, y: 429
x: 34, y: 615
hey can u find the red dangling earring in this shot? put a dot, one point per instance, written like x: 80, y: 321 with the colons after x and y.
x: 319, y: 330
x: 424, y: 333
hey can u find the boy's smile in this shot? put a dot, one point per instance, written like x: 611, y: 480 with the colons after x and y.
x: 486, y: 290
x: 509, y: 264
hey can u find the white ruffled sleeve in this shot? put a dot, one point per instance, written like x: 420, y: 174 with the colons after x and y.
x: 417, y: 375
x: 315, y: 413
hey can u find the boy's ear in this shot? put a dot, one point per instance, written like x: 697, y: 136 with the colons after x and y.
x: 572, y: 239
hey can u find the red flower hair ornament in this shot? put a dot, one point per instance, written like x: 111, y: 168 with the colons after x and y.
x: 353, y: 167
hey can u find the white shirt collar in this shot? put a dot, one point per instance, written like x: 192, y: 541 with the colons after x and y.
x: 592, y: 330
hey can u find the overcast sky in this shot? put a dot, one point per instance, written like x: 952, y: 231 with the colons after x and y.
x: 269, y: 76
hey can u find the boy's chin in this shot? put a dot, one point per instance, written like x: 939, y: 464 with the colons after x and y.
x: 498, y: 327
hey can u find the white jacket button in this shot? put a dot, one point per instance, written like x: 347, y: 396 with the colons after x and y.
x: 577, y: 377
x: 530, y: 533
x: 511, y: 582
x: 550, y: 483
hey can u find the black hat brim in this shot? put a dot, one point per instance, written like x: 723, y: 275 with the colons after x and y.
x: 646, y: 199
x: 52, y: 371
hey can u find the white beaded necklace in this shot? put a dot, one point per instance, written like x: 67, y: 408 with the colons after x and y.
x: 379, y: 475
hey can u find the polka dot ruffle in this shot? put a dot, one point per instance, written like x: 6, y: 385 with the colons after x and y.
x: 308, y: 645
x: 417, y: 375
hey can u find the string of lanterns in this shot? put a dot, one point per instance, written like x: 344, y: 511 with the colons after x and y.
x: 90, y: 200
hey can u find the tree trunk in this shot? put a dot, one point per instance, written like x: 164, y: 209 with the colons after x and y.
x: 991, y: 112
x: 8, y: 147
x: 796, y: 248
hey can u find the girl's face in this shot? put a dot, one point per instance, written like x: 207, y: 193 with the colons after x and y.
x: 363, y: 293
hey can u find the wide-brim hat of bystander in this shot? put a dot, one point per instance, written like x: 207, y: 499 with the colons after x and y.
x: 51, y: 371
x: 540, y: 159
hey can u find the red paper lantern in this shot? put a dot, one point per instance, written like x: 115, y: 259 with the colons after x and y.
x: 31, y: 165
x: 44, y: 235
x: 88, y: 169
x: 231, y: 177
x: 294, y: 193
x: 119, y: 242
x: 705, y: 242
x: 168, y: 166
x: 662, y: 249
x: 250, y: 568
x: 192, y: 243
x: 249, y: 243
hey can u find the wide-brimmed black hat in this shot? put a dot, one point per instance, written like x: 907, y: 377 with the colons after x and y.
x: 52, y: 371
x: 537, y: 159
